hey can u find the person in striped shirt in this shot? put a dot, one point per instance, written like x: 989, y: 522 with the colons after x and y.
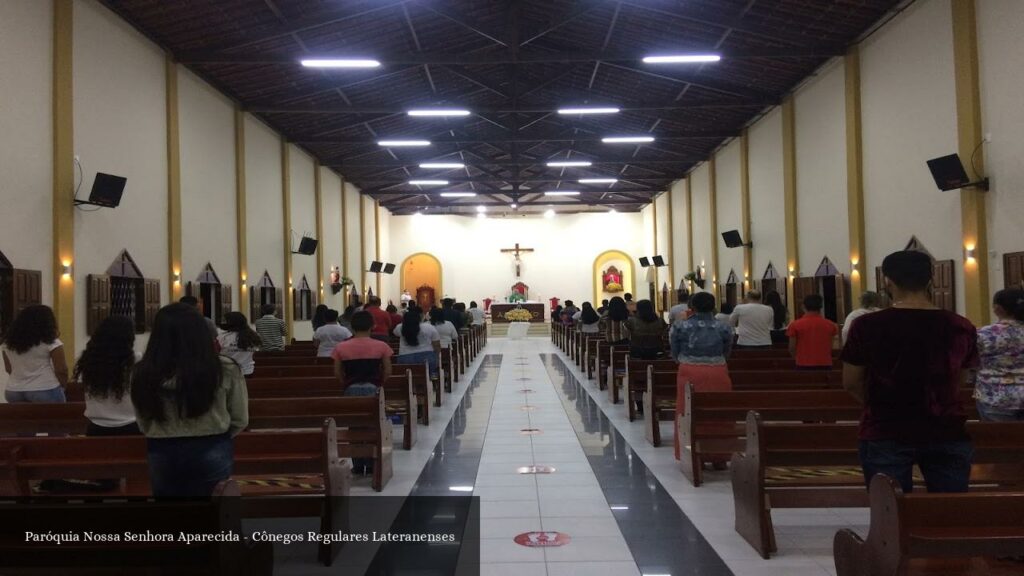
x: 271, y: 329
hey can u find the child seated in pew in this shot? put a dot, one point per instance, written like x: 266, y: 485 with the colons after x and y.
x: 239, y: 342
x: 34, y: 357
x: 327, y: 337
x: 104, y: 370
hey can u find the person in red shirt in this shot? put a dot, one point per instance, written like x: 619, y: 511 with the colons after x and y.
x: 907, y: 364
x: 396, y: 318
x: 811, y: 337
x: 381, y: 319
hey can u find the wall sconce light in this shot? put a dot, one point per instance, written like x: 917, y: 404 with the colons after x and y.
x: 66, y: 270
x: 969, y: 254
x: 854, y: 262
x: 243, y: 286
x: 177, y: 277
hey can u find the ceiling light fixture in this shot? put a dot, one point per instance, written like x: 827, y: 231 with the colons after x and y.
x: 428, y: 182
x: 481, y: 209
x: 339, y: 63
x: 682, y: 59
x: 513, y: 205
x: 439, y: 112
x: 626, y: 139
x: 561, y: 193
x: 598, y: 180
x: 395, y: 143
x: 442, y: 165
x: 549, y: 213
x: 569, y: 163
x: 458, y: 194
x: 589, y: 110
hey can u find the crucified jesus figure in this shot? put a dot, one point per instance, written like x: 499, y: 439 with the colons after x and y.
x: 516, y: 251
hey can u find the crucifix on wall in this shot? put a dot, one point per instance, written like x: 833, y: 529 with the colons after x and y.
x: 516, y: 251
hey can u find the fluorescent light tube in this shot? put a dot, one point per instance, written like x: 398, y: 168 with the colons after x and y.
x: 428, y: 182
x: 561, y: 193
x: 598, y: 180
x: 590, y: 110
x: 439, y: 112
x: 626, y: 139
x: 339, y: 63
x: 569, y: 163
x: 682, y: 58
x: 458, y: 194
x: 395, y: 143
x: 442, y: 165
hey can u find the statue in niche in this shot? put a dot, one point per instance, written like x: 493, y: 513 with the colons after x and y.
x: 611, y: 280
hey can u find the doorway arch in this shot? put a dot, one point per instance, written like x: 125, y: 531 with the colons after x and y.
x: 624, y: 263
x: 422, y: 269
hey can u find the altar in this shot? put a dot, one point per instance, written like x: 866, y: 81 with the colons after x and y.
x: 498, y: 310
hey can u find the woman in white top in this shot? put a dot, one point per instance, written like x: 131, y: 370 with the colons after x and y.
x: 34, y: 357
x: 444, y: 328
x: 419, y: 342
x: 239, y: 342
x: 869, y: 302
x: 588, y: 319
x: 328, y: 336
x: 104, y: 371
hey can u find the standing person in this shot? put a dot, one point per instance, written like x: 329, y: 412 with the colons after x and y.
x: 393, y: 314
x: 477, y: 315
x: 271, y: 329
x: 603, y: 309
x: 569, y: 312
x: 701, y: 345
x: 464, y: 315
x: 588, y: 319
x: 753, y: 322
x: 346, y: 317
x: 327, y: 337
x: 190, y: 403
x: 811, y: 337
x: 381, y: 319
x: 444, y: 328
x: 616, y: 329
x: 419, y: 342
x: 780, y: 316
x: 630, y: 305
x: 319, y: 316
x: 869, y: 302
x: 556, y: 314
x: 680, y: 310
x: 725, y: 313
x: 450, y: 313
x: 239, y: 342
x: 194, y: 302
x: 907, y: 363
x: 646, y: 332
x: 34, y: 357
x: 999, y: 385
x: 104, y: 370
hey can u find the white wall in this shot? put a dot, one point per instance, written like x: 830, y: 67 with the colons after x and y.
x: 665, y: 273
x: 389, y: 282
x: 561, y: 265
x: 330, y: 243
x: 680, y: 265
x: 767, y: 210
x: 351, y: 236
x: 699, y: 192
x: 729, y: 209
x: 909, y: 116
x: 820, y: 109
x: 208, y: 188
x: 264, y: 210
x: 303, y: 208
x: 120, y: 128
x: 1002, y: 69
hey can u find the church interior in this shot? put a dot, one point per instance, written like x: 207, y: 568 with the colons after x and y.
x: 279, y: 158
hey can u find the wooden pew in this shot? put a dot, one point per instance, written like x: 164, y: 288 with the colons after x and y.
x: 783, y: 379
x: 400, y: 400
x: 831, y: 451
x: 222, y: 513
x: 597, y: 360
x: 447, y: 364
x: 616, y: 371
x: 284, y: 361
x: 659, y: 403
x: 635, y: 383
x: 423, y: 384
x: 905, y: 527
x: 257, y: 455
x: 781, y: 363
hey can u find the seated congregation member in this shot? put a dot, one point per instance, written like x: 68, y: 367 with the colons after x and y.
x: 907, y: 364
x: 271, y: 329
x: 104, y: 370
x: 450, y: 313
x: 556, y: 314
x: 568, y: 313
x: 725, y: 313
x: 34, y: 357
x: 630, y: 305
x: 616, y: 328
x: 346, y: 317
x: 811, y: 337
x: 239, y: 342
x: 999, y: 385
x: 444, y: 328
x: 646, y: 330
x: 869, y: 302
x: 328, y: 336
x: 780, y: 316
x: 588, y: 319
x: 478, y: 318
x: 753, y: 322
x: 381, y: 319
x: 464, y: 315
x: 419, y: 342
x: 603, y: 309
x: 189, y: 403
x: 319, y: 316
x: 392, y: 311
x: 701, y: 345
x: 194, y: 302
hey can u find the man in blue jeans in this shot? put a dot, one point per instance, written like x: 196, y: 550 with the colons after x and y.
x: 907, y: 364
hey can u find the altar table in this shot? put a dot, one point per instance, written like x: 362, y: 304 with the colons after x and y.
x: 498, y: 310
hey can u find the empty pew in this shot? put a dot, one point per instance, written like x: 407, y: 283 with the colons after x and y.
x: 222, y: 513
x: 829, y: 451
x: 635, y: 379
x: 615, y: 372
x: 905, y: 527
x: 448, y: 360
x: 659, y: 403
x: 422, y: 385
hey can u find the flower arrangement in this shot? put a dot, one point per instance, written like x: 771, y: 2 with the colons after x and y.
x: 518, y: 315
x: 613, y: 287
x: 340, y: 284
x: 696, y: 278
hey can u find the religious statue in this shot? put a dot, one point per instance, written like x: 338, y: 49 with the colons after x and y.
x: 516, y: 251
x: 335, y: 280
x: 611, y: 280
x: 487, y: 304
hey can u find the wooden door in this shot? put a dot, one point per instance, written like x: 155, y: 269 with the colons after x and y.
x: 802, y: 287
x: 147, y: 304
x: 27, y: 289
x: 225, y: 302
x: 279, y: 302
x: 944, y: 285
x: 97, y: 301
x: 254, y: 304
x: 883, y: 296
x: 1013, y: 270
x: 842, y: 298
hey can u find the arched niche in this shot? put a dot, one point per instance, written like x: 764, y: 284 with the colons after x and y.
x: 772, y: 281
x: 623, y: 263
x: 214, y: 297
x: 423, y: 276
x: 265, y: 292
x: 304, y: 300
x: 943, y: 286
x: 121, y: 291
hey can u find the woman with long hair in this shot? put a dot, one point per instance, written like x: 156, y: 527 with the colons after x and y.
x: 190, y: 402
x: 999, y: 386
x: 346, y: 317
x: 780, y: 317
x: 319, y: 316
x: 444, y: 327
x: 616, y: 330
x: 34, y: 357
x: 104, y: 370
x: 419, y: 342
x: 588, y: 319
x: 239, y: 342
x: 700, y: 344
x: 646, y: 332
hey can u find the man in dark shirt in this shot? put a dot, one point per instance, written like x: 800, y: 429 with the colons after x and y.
x: 908, y: 363
x: 451, y: 314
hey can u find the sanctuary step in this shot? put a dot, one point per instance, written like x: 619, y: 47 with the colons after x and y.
x: 536, y: 329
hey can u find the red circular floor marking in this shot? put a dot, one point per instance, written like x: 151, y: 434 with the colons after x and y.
x: 542, y: 539
x: 531, y: 431
x: 536, y: 470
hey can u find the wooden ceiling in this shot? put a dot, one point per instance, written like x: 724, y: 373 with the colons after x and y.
x: 513, y: 64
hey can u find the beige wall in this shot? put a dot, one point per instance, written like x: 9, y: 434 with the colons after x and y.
x: 767, y: 231
x: 303, y: 207
x: 330, y: 243
x: 663, y: 241
x: 702, y: 222
x: 351, y: 239
x: 680, y: 264
x: 263, y: 207
x: 729, y: 209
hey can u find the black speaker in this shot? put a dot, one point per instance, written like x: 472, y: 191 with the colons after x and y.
x: 645, y: 261
x: 732, y: 238
x: 948, y: 172
x: 659, y: 261
x: 107, y: 190
x: 307, y: 246
x: 376, y: 266
x: 389, y: 268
